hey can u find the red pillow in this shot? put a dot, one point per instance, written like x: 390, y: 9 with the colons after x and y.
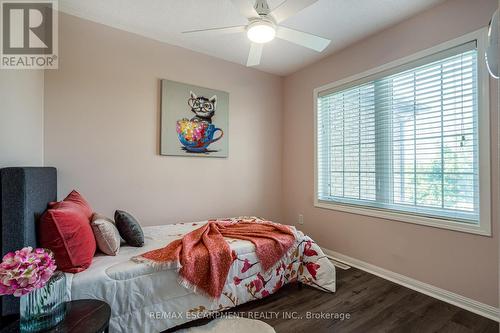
x: 74, y: 198
x: 65, y: 230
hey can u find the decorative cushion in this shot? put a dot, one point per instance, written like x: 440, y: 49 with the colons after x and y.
x: 129, y: 228
x: 74, y: 199
x: 106, y: 235
x: 65, y: 230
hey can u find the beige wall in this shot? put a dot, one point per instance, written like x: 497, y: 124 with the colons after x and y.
x: 462, y: 263
x: 102, y: 129
x: 21, y: 118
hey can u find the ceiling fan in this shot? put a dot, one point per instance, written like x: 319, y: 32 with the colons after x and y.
x: 263, y: 26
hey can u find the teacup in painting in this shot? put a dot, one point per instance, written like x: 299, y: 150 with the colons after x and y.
x: 196, y: 136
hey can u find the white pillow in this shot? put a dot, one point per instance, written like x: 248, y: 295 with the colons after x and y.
x: 106, y: 234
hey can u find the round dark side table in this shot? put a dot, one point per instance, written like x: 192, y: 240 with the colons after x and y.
x: 83, y: 316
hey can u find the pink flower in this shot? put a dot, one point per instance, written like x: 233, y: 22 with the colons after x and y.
x: 258, y: 283
x: 25, y: 270
x: 279, y: 268
x: 265, y: 293
x: 246, y: 266
x: 307, y: 250
x: 237, y: 280
x: 312, y: 268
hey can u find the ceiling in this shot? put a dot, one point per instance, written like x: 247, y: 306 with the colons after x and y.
x: 342, y: 21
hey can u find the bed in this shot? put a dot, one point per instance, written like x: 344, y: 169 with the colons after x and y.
x: 147, y: 299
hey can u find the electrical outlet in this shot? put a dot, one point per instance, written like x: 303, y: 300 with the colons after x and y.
x: 301, y: 219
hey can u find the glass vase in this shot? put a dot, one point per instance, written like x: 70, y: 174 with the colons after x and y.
x: 44, y: 308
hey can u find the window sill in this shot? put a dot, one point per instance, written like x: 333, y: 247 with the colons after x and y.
x: 484, y: 229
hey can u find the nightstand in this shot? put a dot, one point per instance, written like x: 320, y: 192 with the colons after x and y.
x: 83, y: 316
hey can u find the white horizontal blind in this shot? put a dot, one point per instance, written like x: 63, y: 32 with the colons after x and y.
x: 405, y: 140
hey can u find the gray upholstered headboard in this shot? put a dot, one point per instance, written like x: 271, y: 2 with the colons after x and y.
x: 24, y: 195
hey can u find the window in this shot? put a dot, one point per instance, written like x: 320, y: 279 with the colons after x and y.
x: 404, y: 143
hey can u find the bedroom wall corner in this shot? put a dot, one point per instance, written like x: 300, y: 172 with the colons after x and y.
x: 102, y: 129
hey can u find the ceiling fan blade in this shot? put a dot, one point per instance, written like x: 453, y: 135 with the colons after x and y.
x: 302, y: 38
x: 254, y: 54
x: 219, y: 31
x: 246, y: 8
x: 290, y: 8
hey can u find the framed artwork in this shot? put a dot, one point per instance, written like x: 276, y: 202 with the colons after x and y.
x: 194, y: 120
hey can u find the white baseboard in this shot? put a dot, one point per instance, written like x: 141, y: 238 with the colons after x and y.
x: 463, y: 302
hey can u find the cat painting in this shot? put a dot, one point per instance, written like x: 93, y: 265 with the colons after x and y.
x: 202, y: 107
x: 194, y: 120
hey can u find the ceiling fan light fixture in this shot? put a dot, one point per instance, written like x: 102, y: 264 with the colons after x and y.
x: 261, y: 32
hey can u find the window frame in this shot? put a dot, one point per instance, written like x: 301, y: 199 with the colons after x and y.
x: 484, y: 225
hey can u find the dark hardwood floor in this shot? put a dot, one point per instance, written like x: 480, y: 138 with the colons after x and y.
x: 373, y: 304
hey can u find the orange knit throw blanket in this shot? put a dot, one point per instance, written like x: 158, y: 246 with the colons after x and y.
x: 204, y: 257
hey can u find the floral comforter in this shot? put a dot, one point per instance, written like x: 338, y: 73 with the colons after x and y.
x: 143, y: 299
x: 246, y: 281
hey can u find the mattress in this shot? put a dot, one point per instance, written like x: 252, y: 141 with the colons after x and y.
x: 146, y: 299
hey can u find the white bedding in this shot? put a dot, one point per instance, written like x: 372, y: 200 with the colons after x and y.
x: 144, y: 299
